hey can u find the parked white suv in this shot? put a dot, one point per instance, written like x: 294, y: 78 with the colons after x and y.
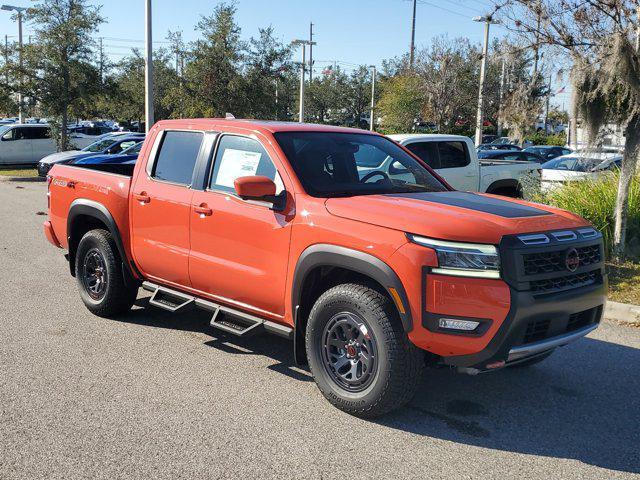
x: 26, y: 144
x: 454, y: 157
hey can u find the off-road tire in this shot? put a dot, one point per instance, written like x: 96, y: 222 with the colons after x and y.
x: 399, y: 362
x: 117, y: 296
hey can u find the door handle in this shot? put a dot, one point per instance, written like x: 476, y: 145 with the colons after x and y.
x: 142, y: 197
x: 203, y: 209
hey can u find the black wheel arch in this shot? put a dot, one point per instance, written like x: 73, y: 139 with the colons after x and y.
x: 85, y: 215
x: 505, y: 184
x: 360, y: 263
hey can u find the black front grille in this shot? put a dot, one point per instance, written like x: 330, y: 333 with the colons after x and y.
x: 554, y: 261
x: 536, y: 331
x: 541, y: 329
x: 565, y: 282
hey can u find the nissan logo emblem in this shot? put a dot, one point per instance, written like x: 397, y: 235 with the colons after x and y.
x: 572, y: 260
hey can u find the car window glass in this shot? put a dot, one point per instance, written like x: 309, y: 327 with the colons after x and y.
x: 532, y: 158
x: 510, y: 156
x: 453, y: 155
x: 238, y: 157
x: 427, y: 152
x: 368, y: 156
x: 20, y: 133
x: 8, y: 135
x: 326, y: 166
x: 37, y: 133
x: 177, y: 157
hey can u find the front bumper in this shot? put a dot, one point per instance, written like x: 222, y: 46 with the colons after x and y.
x: 537, y: 324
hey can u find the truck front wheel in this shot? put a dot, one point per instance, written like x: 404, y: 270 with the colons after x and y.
x: 100, y: 277
x: 358, y: 352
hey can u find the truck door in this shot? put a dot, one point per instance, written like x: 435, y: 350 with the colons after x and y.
x: 239, y: 249
x: 161, y: 207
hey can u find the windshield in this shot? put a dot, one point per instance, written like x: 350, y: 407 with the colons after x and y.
x: 4, y: 128
x: 99, y: 146
x: 574, y: 164
x: 345, y: 164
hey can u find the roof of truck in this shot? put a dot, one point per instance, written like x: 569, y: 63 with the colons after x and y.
x: 265, y: 125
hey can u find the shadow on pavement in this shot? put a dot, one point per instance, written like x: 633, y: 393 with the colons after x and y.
x: 582, y: 403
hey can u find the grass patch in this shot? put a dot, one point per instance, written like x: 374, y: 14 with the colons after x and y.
x: 624, y: 282
x: 19, y: 173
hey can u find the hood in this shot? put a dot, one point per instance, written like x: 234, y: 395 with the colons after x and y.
x: 458, y: 216
x: 64, y: 156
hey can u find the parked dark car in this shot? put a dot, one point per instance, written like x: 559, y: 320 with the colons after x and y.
x: 128, y: 155
x: 112, y: 145
x: 548, y: 152
x: 497, y: 146
x: 521, y: 155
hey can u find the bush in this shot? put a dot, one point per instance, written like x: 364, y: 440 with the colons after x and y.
x: 540, y: 138
x: 595, y: 200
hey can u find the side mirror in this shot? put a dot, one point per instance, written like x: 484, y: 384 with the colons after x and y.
x: 259, y: 188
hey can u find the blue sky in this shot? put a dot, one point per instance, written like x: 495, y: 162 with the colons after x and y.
x: 349, y: 31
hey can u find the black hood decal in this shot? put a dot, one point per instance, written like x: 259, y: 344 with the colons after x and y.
x: 479, y: 203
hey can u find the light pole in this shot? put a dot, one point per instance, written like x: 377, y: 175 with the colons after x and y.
x: 304, y: 44
x: 487, y: 20
x: 18, y: 10
x: 412, y: 48
x: 373, y: 95
x: 148, y: 71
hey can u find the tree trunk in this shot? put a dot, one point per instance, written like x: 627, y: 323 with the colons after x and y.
x: 629, y: 165
x: 64, y: 137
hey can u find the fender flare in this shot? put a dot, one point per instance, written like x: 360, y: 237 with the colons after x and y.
x: 326, y: 255
x: 90, y: 208
x: 505, y: 183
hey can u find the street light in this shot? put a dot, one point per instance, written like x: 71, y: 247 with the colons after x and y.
x: 487, y: 20
x: 373, y: 94
x: 304, y: 44
x: 18, y: 10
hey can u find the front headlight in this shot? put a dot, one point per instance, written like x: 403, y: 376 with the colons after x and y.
x: 463, y: 259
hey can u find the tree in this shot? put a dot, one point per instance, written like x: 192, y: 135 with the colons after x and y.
x: 213, y: 77
x: 269, y: 69
x: 401, y: 102
x: 61, y: 69
x: 450, y: 78
x: 601, y: 39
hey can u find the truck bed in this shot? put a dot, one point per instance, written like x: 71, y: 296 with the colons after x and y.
x: 106, y: 184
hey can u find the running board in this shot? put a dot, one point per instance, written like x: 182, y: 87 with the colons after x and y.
x: 227, y: 319
x: 171, y: 300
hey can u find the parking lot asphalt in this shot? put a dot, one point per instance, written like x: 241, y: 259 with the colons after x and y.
x: 156, y: 395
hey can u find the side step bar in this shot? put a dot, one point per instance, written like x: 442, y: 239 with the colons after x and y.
x: 227, y: 319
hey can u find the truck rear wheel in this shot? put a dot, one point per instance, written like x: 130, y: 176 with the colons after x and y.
x: 358, y: 352
x: 100, y: 277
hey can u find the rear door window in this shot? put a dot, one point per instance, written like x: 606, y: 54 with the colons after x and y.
x: 427, y: 152
x: 177, y: 157
x: 453, y: 155
x: 37, y: 133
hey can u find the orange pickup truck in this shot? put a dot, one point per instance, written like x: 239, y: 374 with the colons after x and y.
x: 339, y: 239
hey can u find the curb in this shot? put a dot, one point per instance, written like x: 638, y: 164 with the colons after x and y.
x: 623, y: 313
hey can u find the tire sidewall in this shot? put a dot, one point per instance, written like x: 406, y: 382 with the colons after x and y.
x: 88, y: 243
x: 320, y: 315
